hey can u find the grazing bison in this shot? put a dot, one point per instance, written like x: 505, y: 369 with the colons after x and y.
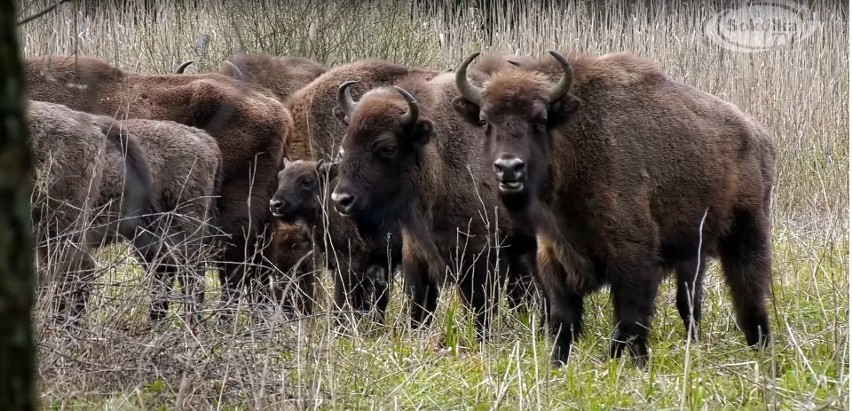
x: 186, y: 169
x: 625, y: 174
x: 85, y: 179
x: 250, y: 126
x: 317, y: 131
x: 411, y: 165
x: 362, y: 267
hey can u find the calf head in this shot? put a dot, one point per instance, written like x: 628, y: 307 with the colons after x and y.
x: 382, y: 149
x: 517, y: 110
x: 300, y: 189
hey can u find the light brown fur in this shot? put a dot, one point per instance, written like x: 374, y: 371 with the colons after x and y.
x: 282, y: 75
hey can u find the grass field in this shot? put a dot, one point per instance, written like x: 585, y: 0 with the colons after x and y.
x: 799, y: 92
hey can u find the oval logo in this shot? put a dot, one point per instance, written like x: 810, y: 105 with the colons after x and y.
x: 761, y: 25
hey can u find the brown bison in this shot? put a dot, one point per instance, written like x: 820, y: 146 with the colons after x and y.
x: 410, y: 164
x: 624, y: 175
x: 283, y: 76
x: 186, y: 170
x: 85, y: 179
x: 294, y: 289
x: 317, y: 131
x: 250, y: 126
x: 361, y: 267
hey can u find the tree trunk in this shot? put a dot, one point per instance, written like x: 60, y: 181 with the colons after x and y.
x: 17, y: 354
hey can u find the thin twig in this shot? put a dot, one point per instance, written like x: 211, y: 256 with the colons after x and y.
x: 41, y: 13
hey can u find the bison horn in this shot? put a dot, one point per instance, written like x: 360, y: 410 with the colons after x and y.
x: 344, y: 97
x: 565, y: 82
x: 238, y: 74
x: 410, y: 117
x: 183, y: 66
x: 468, y: 91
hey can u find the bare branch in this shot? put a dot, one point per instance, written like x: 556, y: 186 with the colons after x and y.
x: 41, y: 13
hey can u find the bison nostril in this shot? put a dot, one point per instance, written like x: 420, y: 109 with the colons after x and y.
x: 275, y: 204
x: 343, y: 200
x: 513, y: 165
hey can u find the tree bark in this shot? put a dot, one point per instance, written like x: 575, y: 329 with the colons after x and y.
x: 17, y: 353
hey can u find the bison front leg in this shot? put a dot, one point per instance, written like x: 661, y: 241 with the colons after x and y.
x: 634, y: 289
x: 422, y: 292
x: 480, y: 293
x: 379, y: 279
x: 690, y: 293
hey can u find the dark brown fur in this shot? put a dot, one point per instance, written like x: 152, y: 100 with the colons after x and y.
x: 362, y: 267
x: 618, y: 174
x: 317, y: 131
x: 250, y: 126
x: 427, y: 179
x: 294, y: 292
x: 282, y: 75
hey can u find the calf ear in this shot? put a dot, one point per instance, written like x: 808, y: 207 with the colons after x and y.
x: 285, y: 163
x: 469, y: 111
x: 340, y: 115
x: 562, y: 109
x: 327, y: 170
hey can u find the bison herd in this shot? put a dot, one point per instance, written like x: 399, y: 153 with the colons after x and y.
x: 543, y: 179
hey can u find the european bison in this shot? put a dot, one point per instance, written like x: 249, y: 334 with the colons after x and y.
x: 362, y: 267
x: 250, y: 126
x: 84, y: 178
x: 283, y: 76
x: 625, y: 174
x: 412, y: 165
x: 186, y: 169
x: 317, y: 132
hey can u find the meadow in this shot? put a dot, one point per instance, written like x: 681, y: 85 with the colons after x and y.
x: 799, y: 92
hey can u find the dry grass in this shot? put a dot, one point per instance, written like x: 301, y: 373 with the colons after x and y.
x: 799, y: 92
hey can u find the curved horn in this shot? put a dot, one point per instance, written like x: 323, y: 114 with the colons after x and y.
x: 344, y: 97
x: 564, y: 84
x: 515, y: 63
x: 468, y: 91
x: 410, y: 117
x: 183, y: 66
x: 236, y: 71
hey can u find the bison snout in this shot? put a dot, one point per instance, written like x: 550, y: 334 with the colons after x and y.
x: 511, y: 172
x: 343, y: 202
x: 275, y: 205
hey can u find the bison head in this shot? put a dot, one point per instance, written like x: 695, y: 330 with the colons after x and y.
x: 300, y: 186
x: 382, y: 147
x: 517, y: 109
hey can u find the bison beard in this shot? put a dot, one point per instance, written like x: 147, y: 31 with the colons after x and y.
x: 618, y: 199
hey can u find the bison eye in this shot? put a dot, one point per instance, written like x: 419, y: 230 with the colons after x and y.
x: 388, y: 150
x: 307, y: 183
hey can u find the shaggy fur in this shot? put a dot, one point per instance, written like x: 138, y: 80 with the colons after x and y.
x: 317, y: 131
x: 362, y: 267
x: 186, y: 167
x: 427, y: 179
x: 617, y: 176
x: 282, y: 75
x: 250, y: 126
x: 84, y: 179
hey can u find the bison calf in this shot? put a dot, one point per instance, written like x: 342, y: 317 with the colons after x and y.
x: 362, y: 266
x: 624, y: 174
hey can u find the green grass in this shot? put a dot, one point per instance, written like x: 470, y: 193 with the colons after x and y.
x: 799, y: 93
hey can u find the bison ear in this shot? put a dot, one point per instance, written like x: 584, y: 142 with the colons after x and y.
x: 421, y: 133
x: 285, y: 163
x: 340, y: 115
x: 468, y: 110
x: 327, y: 169
x: 560, y: 110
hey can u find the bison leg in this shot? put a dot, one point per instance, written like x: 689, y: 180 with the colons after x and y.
x: 633, y: 292
x: 422, y: 292
x: 746, y: 261
x: 161, y: 287
x: 77, y: 285
x: 690, y: 293
x: 524, y: 285
x: 378, y: 277
x: 565, y: 309
x: 231, y: 281
x: 480, y: 292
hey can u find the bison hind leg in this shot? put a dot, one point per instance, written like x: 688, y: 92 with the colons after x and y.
x: 634, y: 289
x: 690, y: 293
x: 746, y: 262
